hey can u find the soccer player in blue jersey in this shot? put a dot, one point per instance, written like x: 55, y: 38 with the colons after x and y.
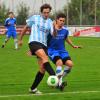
x: 41, y: 26
x: 10, y: 24
x: 57, y: 52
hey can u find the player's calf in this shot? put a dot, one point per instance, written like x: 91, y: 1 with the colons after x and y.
x: 68, y: 67
x: 59, y: 65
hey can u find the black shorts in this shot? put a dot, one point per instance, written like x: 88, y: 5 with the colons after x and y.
x: 63, y: 60
x: 34, y: 46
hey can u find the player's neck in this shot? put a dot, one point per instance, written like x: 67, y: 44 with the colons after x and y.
x: 59, y: 27
x: 10, y: 17
x: 45, y: 18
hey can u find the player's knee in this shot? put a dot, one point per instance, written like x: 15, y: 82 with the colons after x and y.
x: 45, y: 58
x: 69, y: 63
x: 59, y: 62
x: 42, y: 70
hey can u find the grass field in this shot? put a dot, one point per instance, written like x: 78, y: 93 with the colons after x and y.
x: 17, y: 72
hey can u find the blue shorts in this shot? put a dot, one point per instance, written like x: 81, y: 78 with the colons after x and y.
x: 11, y: 33
x: 63, y: 54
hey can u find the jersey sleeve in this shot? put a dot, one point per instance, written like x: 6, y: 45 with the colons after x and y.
x: 6, y: 22
x: 30, y: 21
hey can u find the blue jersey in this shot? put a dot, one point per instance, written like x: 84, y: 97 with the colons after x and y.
x: 40, y: 28
x: 10, y: 24
x: 58, y: 42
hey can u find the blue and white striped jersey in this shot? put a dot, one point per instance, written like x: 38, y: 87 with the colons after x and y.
x: 40, y: 28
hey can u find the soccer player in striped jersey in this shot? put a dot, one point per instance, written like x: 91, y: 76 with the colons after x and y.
x: 41, y: 26
x: 10, y: 24
x: 57, y: 52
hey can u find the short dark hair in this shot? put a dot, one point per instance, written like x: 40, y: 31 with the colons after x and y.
x: 45, y: 6
x: 60, y: 15
x: 10, y: 13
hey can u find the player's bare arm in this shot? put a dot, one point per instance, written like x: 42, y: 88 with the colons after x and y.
x: 69, y: 41
x: 22, y: 34
x: 4, y: 32
x: 15, y: 25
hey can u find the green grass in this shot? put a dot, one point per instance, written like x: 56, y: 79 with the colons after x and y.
x: 17, y: 72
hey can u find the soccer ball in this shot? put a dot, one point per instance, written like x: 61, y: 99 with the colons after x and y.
x: 52, y: 81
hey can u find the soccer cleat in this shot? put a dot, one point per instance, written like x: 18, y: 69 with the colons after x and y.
x: 2, y: 46
x: 62, y: 86
x: 35, y: 91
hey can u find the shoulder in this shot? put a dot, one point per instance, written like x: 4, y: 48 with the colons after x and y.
x: 7, y: 19
x: 65, y: 28
x: 14, y: 19
x: 36, y: 16
x: 33, y: 17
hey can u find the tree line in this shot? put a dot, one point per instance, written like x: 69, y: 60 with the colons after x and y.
x: 78, y: 12
x: 22, y: 14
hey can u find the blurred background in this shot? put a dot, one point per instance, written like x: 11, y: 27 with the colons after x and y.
x: 78, y: 12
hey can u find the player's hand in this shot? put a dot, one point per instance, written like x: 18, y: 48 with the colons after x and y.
x: 20, y: 42
x: 55, y: 25
x: 15, y: 25
x: 4, y: 32
x: 9, y: 23
x: 77, y: 46
x: 55, y: 28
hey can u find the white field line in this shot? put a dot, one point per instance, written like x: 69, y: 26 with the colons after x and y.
x: 27, y: 95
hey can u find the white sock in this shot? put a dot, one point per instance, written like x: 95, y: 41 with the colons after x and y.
x: 60, y: 81
x: 59, y: 74
x: 58, y: 69
x: 16, y: 44
x: 67, y: 70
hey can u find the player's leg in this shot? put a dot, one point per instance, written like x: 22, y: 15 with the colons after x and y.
x: 16, y: 43
x: 14, y: 35
x: 41, y: 52
x: 65, y: 57
x: 59, y: 70
x: 38, y: 78
x: 58, y: 62
x: 56, y: 59
x: 59, y: 73
x: 8, y: 35
x: 67, y: 62
x: 42, y: 55
x: 62, y: 83
x: 68, y: 66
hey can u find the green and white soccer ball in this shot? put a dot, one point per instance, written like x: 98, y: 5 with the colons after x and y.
x: 52, y: 81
